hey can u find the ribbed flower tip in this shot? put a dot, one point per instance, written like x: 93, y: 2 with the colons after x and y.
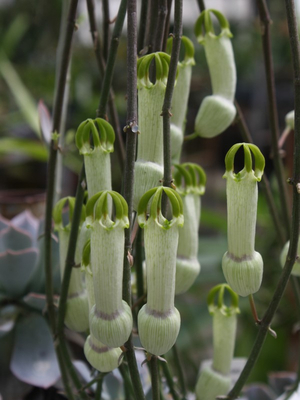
x: 77, y: 312
x: 149, y: 163
x: 216, y: 112
x: 283, y: 256
x: 101, y: 357
x: 242, y: 265
x: 190, y: 188
x: 224, y: 327
x: 180, y: 96
x: 159, y: 320
x: 95, y: 140
x: 110, y: 317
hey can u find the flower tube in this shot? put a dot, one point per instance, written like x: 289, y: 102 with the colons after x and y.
x: 77, y: 314
x: 149, y: 163
x: 214, y: 380
x: 110, y: 317
x: 216, y: 112
x: 180, y: 96
x: 100, y: 356
x: 158, y: 319
x: 187, y: 264
x: 242, y: 265
x: 96, y: 153
x: 283, y: 256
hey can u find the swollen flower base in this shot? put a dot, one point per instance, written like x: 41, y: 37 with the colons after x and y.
x: 216, y: 112
x: 242, y: 265
x: 110, y: 317
x: 214, y: 379
x: 283, y: 256
x: 77, y: 314
x: 101, y: 357
x: 158, y: 319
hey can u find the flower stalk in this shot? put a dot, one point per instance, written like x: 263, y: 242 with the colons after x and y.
x: 158, y: 319
x: 216, y: 112
x: 242, y: 265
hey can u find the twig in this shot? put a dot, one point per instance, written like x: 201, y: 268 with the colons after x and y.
x: 155, y: 379
x: 98, y: 393
x: 169, y: 379
x: 273, y: 117
x: 161, y: 23
x: 101, y: 66
x: 166, y: 109
x: 167, y: 25
x: 179, y: 371
x: 139, y: 269
x: 266, y: 320
x: 143, y: 25
x: 151, y: 29
x: 57, y: 114
x: 129, y: 392
x: 106, y: 23
x: 131, y: 133
x: 201, y: 5
x: 106, y: 84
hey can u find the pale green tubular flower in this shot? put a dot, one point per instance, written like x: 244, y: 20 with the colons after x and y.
x: 242, y: 265
x: 77, y: 313
x: 96, y: 153
x: 100, y: 356
x: 290, y: 120
x: 214, y: 380
x: 149, y: 163
x: 187, y: 264
x: 158, y: 319
x: 216, y: 112
x: 110, y: 317
x: 180, y: 96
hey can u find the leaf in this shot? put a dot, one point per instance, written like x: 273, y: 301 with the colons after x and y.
x: 27, y: 222
x: 16, y: 268
x: 4, y: 223
x: 33, y: 360
x: 22, y: 96
x: 45, y: 122
x: 10, y: 387
x: 8, y: 316
x: 30, y: 148
x: 15, y: 239
x: 37, y: 301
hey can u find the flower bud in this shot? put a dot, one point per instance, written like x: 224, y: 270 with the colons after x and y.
x: 283, y: 256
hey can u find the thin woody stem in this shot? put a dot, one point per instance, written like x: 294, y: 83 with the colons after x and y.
x: 160, y: 27
x: 106, y: 23
x: 273, y: 116
x: 107, y: 80
x: 155, y: 379
x: 166, y: 109
x: 131, y: 133
x: 101, y: 65
x: 143, y: 25
x: 292, y: 253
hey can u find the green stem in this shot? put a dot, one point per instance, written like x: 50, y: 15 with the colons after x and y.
x: 241, y: 123
x: 273, y: 116
x: 166, y: 109
x: 64, y: 375
x: 106, y: 23
x: 106, y: 84
x: 143, y: 25
x: 131, y: 133
x: 98, y: 393
x: 101, y: 65
x: 155, y: 378
x: 169, y: 379
x: 129, y: 392
x: 179, y: 371
x: 265, y: 322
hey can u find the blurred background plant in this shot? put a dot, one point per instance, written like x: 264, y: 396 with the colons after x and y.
x: 29, y: 35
